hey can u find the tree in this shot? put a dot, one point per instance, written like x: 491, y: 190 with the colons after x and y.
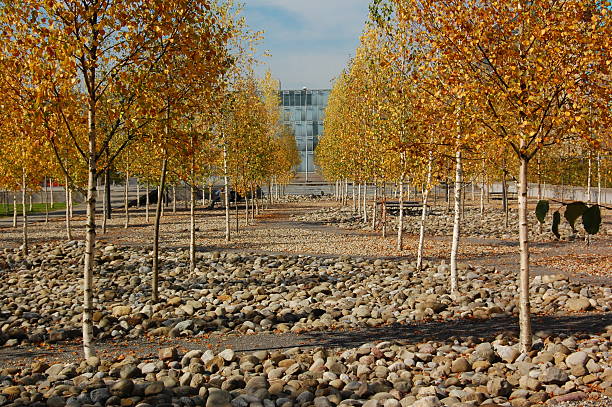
x: 527, y: 73
x: 85, y: 54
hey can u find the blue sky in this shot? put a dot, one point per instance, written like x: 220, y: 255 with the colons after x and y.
x: 310, y: 40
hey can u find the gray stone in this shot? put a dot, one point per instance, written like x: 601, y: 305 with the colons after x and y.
x: 122, y: 388
x: 56, y: 401
x: 227, y: 354
x: 578, y: 304
x: 218, y: 398
x: 154, y: 388
x: 576, y: 359
x: 429, y: 401
x: 553, y: 375
x: 99, y: 395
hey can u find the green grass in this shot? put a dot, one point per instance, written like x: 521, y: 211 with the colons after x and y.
x: 7, y: 210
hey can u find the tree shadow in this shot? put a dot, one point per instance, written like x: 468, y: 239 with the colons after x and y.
x: 460, y: 329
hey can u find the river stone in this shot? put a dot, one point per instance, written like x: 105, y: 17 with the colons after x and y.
x: 576, y: 359
x: 154, y: 388
x: 554, y: 375
x: 122, y: 310
x: 227, y: 354
x: 122, y: 388
x: 218, y: 398
x: 99, y: 395
x: 56, y: 401
x: 429, y: 401
x: 577, y: 304
x: 168, y: 354
x: 460, y: 365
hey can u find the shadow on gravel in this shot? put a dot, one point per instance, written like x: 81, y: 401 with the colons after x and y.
x: 587, y: 324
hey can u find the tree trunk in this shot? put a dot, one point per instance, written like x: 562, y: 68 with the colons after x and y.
x: 158, y: 211
x: 107, y: 193
x: 588, y: 193
x: 192, y: 231
x: 173, y: 198
x: 51, y: 189
x: 505, y: 199
x: 346, y: 192
x: 24, y: 189
x: 227, y: 197
x: 46, y: 197
x: 539, y: 181
x: 246, y: 209
x: 354, y: 198
x: 359, y: 199
x: 365, y: 206
x: 236, y: 211
x: 256, y: 202
x: 598, y: 179
x: 147, y: 203
x: 68, y: 226
x: 269, y: 192
x: 374, y: 208
x: 90, y: 237
x: 126, y: 198
x: 454, y: 281
x: 14, y: 211
x: 137, y: 193
x: 419, y: 264
x: 482, y: 193
x: 31, y: 205
x: 524, y: 309
x: 408, y: 190
x: 104, y: 205
x: 400, y: 220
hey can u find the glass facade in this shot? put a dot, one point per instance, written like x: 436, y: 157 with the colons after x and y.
x: 303, y: 110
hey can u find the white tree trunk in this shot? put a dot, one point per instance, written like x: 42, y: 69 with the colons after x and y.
x: 173, y: 198
x: 226, y: 186
x: 46, y: 202
x: 137, y: 193
x: 24, y: 190
x: 192, y: 227
x: 14, y: 211
x: 158, y: 214
x: 147, y: 203
x: 90, y: 238
x: 354, y: 198
x: 400, y: 221
x: 68, y: 225
x: 588, y: 192
x: 598, y: 179
x: 482, y: 194
x: 51, y: 188
x: 365, y: 206
x: 419, y: 264
x: 126, y: 198
x: 359, y: 199
x: 375, y: 207
x: 524, y: 308
x: 454, y: 281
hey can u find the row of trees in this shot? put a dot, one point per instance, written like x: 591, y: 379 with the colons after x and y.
x: 486, y: 88
x: 156, y: 90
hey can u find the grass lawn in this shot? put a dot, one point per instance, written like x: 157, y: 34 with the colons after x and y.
x: 7, y: 210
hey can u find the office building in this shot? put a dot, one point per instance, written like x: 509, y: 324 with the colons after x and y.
x: 303, y: 110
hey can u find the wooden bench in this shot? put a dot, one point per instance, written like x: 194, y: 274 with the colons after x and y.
x: 500, y: 195
x: 410, y: 207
